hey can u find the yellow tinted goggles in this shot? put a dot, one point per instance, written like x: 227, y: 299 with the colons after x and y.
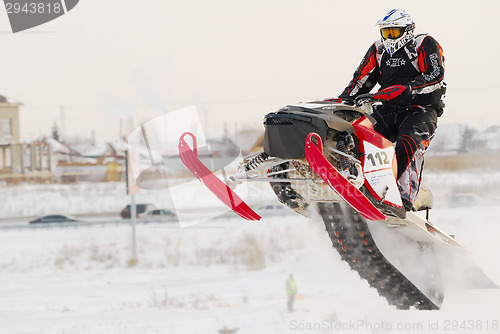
x: 392, y: 32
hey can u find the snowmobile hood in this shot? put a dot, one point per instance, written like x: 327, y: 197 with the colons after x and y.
x: 324, y: 112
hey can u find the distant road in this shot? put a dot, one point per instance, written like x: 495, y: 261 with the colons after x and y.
x: 84, y: 217
x: 202, y: 214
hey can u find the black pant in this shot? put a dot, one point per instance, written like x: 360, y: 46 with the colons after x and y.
x: 412, y: 129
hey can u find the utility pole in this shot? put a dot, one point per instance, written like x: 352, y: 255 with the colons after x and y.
x: 133, y: 209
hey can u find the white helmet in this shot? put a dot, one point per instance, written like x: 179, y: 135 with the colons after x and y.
x: 396, y: 28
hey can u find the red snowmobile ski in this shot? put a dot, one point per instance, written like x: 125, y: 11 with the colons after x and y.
x: 339, y: 184
x: 204, y: 175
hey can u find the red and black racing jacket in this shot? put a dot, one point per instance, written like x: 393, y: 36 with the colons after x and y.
x: 419, y: 64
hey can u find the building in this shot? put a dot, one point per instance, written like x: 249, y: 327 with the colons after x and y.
x: 10, y: 138
x: 9, y: 121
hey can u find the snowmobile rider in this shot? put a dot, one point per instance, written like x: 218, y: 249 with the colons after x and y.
x: 409, y: 120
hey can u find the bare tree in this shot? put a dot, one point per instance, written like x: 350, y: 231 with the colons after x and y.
x: 466, y: 138
x: 55, y: 132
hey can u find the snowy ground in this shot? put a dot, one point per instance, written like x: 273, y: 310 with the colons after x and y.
x: 221, y: 274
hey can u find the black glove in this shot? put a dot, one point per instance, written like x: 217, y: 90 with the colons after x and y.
x: 408, y: 92
x: 349, y: 100
x: 405, y: 97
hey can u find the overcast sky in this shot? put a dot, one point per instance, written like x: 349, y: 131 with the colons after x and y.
x: 112, y: 60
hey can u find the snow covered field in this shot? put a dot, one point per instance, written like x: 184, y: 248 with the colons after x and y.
x: 225, y: 273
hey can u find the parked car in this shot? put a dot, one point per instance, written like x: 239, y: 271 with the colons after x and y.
x: 273, y: 207
x: 53, y: 219
x: 274, y: 210
x: 141, y: 208
x: 157, y: 213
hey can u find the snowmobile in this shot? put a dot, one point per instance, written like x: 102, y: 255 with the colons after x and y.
x: 324, y: 158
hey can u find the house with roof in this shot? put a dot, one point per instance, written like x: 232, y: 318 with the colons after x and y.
x: 10, y: 138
